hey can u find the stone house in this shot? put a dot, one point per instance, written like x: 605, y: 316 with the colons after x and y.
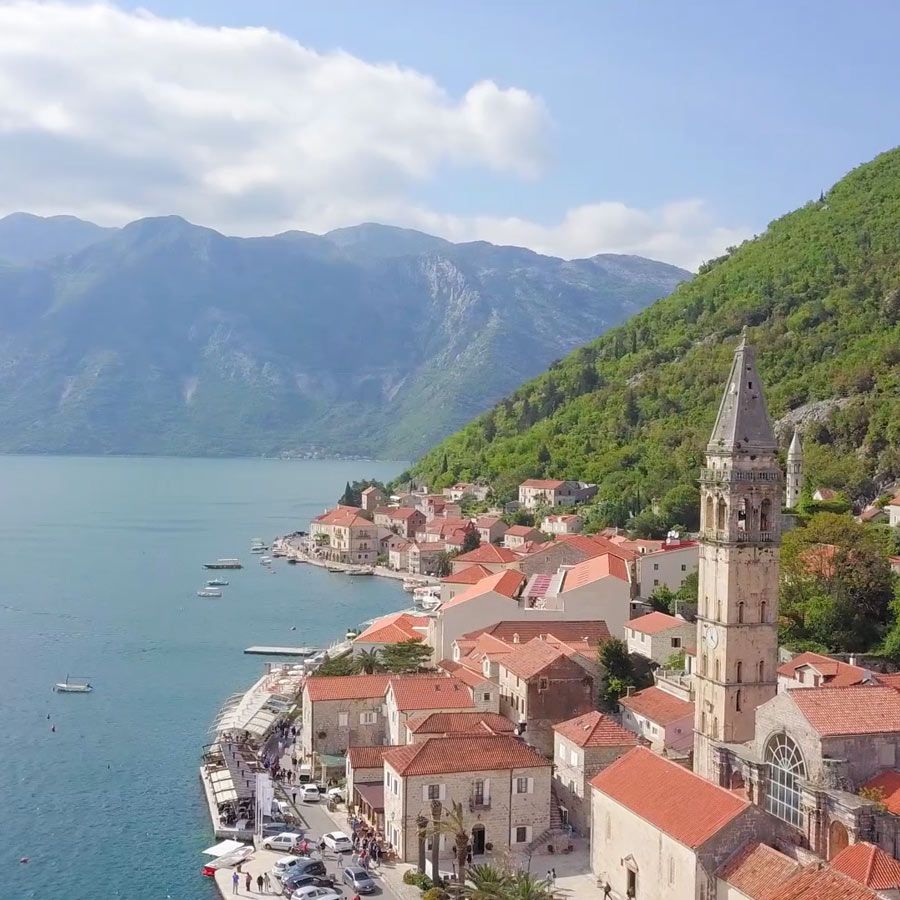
x: 444, y: 724
x: 815, y: 670
x: 398, y: 555
x: 536, y: 492
x: 566, y: 551
x: 371, y: 498
x: 562, y: 524
x: 440, y: 529
x: 656, y: 636
x: 405, y: 521
x: 893, y: 510
x: 390, y: 629
x: 488, y: 555
x: 520, y: 535
x: 486, y: 691
x: 663, y: 720
x: 462, y: 580
x: 465, y: 490
x: 502, y: 784
x: 490, y: 529
x: 582, y: 748
x: 424, y: 558
x: 666, y: 566
x: 411, y: 695
x: 660, y: 832
x: 345, y: 534
x: 364, y: 772
x: 754, y: 870
x: 542, y: 685
x: 342, y: 711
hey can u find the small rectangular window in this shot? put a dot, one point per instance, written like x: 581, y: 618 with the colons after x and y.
x: 676, y: 642
x: 343, y: 720
x: 521, y: 834
x: 434, y: 792
x: 521, y: 785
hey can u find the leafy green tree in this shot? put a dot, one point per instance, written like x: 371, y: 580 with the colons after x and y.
x: 344, y: 664
x: 616, y: 663
x: 349, y: 497
x: 471, y: 541
x: 648, y: 524
x: 368, y: 662
x: 662, y: 599
x: 486, y: 882
x: 686, y: 595
x: 405, y: 657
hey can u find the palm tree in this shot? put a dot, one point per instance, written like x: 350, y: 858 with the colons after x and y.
x: 367, y: 662
x: 454, y: 824
x: 526, y: 886
x: 486, y: 882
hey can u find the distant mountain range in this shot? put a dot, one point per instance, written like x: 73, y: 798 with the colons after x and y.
x: 166, y: 337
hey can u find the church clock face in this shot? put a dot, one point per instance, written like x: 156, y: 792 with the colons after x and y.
x: 712, y: 637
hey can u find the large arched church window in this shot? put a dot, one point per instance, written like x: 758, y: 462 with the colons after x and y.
x: 721, y: 513
x: 765, y: 515
x: 786, y: 769
x: 709, y: 515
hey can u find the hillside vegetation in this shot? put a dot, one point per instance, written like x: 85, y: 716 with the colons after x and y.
x: 820, y: 292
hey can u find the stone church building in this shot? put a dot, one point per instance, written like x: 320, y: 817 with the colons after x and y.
x: 809, y: 760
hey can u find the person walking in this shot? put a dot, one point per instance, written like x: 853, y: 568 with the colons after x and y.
x: 248, y: 883
x: 259, y: 883
x: 294, y: 797
x: 553, y: 876
x: 235, y: 878
x: 267, y: 881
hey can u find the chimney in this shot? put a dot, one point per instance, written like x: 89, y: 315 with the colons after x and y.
x: 629, y: 690
x: 853, y: 659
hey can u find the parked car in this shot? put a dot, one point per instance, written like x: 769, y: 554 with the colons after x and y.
x: 283, y: 841
x: 337, y: 841
x: 309, y: 793
x: 314, y: 875
x: 311, y: 892
x: 358, y: 879
x: 272, y: 828
x: 335, y: 793
x: 289, y: 864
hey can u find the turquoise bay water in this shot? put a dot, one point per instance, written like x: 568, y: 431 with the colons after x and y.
x: 99, y: 563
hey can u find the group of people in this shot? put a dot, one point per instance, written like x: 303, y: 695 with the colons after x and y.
x: 367, y: 848
x: 263, y: 881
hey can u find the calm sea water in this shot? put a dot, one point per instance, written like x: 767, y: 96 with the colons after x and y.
x: 99, y: 563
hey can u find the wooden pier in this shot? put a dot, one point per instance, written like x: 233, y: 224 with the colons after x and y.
x: 279, y: 651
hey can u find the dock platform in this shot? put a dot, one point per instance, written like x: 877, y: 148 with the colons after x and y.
x: 279, y: 651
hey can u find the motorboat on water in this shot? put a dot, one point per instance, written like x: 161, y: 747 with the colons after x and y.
x: 334, y: 569
x: 265, y: 561
x: 227, y: 563
x: 73, y: 686
x: 410, y: 584
x: 217, y: 582
x: 362, y: 570
x: 209, y: 592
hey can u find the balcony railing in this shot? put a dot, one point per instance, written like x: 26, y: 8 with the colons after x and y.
x: 740, y: 537
x: 732, y: 475
x: 479, y: 803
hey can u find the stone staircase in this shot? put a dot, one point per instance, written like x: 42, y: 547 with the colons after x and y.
x: 556, y: 834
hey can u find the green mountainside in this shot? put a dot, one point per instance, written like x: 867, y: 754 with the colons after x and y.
x: 163, y: 337
x: 820, y: 292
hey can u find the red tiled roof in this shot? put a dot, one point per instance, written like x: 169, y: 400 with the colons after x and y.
x: 682, y: 805
x: 858, y: 709
x: 392, y: 628
x: 869, y: 865
x: 567, y: 517
x: 819, y: 559
x: 527, y: 660
x: 487, y: 553
x: 403, y: 512
x: 469, y: 575
x: 655, y: 704
x: 488, y: 521
x: 467, y: 676
x: 655, y: 622
x: 834, y: 672
x: 826, y: 493
x: 887, y: 783
x: 346, y: 687
x: 343, y: 515
x: 814, y: 883
x: 591, y: 631
x: 506, y: 582
x: 595, y: 730
x: 368, y: 757
x: 459, y: 723
x: 591, y: 570
x: 522, y: 531
x: 590, y: 544
x: 757, y: 869
x: 468, y: 753
x: 892, y: 679
x: 543, y: 484
x: 430, y: 692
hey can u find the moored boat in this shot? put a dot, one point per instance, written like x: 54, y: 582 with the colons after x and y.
x: 209, y: 592
x: 362, y: 570
x: 217, y: 582
x: 73, y: 686
x: 228, y: 563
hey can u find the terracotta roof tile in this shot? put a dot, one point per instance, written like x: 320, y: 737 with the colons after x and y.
x: 346, y: 687
x: 682, y: 805
x: 522, y: 531
x: 459, y: 723
x: 595, y: 730
x: 468, y: 753
x: 834, y: 672
x: 506, y: 583
x: 343, y: 515
x: 467, y: 676
x: 868, y: 865
x: 590, y: 544
x: 430, y: 692
x: 815, y: 883
x: 888, y: 784
x: 655, y: 704
x: 543, y: 484
x: 393, y: 628
x: 368, y: 757
x: 469, y: 575
x: 604, y: 566
x: 757, y: 869
x: 655, y: 622
x: 527, y: 660
x: 488, y: 553
x: 592, y: 631
x: 858, y: 709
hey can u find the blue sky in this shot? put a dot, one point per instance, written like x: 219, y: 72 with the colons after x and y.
x: 699, y: 122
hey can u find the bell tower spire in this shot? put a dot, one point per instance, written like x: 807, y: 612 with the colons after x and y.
x: 737, y: 636
x: 794, y: 472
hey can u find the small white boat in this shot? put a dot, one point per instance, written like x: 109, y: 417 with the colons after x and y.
x: 229, y: 563
x: 209, y: 592
x: 265, y: 561
x: 73, y: 686
x: 361, y: 570
x: 217, y: 582
x: 410, y: 584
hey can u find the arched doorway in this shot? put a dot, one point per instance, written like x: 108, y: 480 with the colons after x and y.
x: 838, y: 839
x: 477, y: 840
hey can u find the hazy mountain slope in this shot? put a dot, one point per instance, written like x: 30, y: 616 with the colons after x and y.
x: 26, y: 239
x: 165, y: 337
x: 820, y: 291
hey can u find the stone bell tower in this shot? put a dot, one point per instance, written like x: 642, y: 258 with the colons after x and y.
x: 794, y: 480
x: 737, y: 613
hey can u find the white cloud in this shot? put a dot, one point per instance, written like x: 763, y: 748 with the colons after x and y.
x: 113, y: 115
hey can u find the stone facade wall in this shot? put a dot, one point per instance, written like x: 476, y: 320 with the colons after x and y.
x: 505, y: 811
x: 659, y: 647
x: 665, y: 568
x: 327, y: 717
